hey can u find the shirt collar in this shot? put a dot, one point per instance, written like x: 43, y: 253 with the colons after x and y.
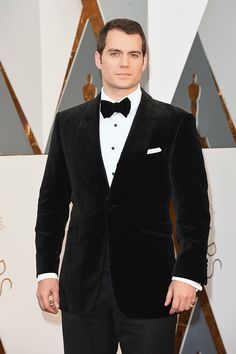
x: 134, y: 97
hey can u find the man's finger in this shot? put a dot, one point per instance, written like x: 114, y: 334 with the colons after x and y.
x: 51, y: 308
x: 175, y: 306
x: 169, y: 296
x: 55, y: 295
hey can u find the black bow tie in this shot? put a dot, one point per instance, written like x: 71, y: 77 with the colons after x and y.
x: 108, y: 108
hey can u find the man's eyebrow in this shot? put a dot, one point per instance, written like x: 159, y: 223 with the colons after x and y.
x: 120, y: 51
x: 135, y: 52
x: 114, y: 50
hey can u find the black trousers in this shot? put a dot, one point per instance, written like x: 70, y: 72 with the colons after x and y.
x: 99, y: 331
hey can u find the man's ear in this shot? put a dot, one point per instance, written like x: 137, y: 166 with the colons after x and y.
x: 145, y: 61
x: 98, y: 60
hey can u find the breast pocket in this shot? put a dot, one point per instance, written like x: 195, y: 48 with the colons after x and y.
x: 155, y: 163
x: 155, y: 157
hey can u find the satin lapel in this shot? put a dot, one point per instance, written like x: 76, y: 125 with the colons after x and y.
x: 134, y: 149
x: 90, y: 160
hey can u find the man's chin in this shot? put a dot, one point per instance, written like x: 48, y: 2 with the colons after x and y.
x: 125, y: 86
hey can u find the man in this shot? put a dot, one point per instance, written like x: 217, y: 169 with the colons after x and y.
x: 120, y: 165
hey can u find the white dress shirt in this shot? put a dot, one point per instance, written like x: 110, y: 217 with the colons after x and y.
x: 114, y: 131
x: 113, y: 134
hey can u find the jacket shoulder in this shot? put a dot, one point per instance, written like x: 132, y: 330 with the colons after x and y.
x: 165, y: 116
x: 77, y: 111
x: 165, y: 109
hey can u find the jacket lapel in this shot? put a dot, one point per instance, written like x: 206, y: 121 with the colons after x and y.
x: 90, y: 160
x: 134, y: 151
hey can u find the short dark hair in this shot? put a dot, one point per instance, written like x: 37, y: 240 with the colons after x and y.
x: 124, y: 25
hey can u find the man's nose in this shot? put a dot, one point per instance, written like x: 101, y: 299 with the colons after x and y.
x: 124, y: 60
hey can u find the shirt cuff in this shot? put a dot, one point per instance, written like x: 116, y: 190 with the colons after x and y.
x: 196, y: 285
x: 47, y: 276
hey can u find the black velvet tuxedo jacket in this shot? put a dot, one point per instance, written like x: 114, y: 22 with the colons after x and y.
x: 131, y: 218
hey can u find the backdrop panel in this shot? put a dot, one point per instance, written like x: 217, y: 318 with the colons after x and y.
x: 23, y: 327
x: 221, y: 168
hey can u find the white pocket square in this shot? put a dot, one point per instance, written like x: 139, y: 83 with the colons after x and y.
x: 153, y: 150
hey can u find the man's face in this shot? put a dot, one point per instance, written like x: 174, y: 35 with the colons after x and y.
x: 121, y: 63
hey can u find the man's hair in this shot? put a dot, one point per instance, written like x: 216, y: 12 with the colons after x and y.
x: 124, y: 25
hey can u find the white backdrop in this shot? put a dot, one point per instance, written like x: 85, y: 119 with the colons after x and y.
x: 221, y: 168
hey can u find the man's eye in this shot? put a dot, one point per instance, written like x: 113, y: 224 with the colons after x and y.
x: 134, y: 55
x: 114, y: 54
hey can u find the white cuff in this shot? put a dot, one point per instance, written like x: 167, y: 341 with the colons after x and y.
x: 47, y: 276
x: 196, y: 285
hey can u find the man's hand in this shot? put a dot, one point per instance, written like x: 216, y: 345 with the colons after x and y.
x: 48, y: 295
x: 181, y: 295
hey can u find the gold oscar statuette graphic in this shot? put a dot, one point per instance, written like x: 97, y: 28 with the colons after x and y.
x: 194, y: 94
x: 89, y: 90
x: 194, y: 91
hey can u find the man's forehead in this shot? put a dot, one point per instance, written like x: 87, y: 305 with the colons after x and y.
x: 120, y: 40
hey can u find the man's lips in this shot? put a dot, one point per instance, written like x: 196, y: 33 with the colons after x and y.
x: 123, y: 74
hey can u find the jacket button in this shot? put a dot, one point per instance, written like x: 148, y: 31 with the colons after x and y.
x: 112, y: 206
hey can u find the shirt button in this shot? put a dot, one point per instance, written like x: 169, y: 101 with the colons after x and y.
x: 113, y: 173
x: 115, y: 125
x: 113, y: 148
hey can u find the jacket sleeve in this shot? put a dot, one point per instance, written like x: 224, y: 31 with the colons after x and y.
x: 191, y: 204
x: 53, y: 207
